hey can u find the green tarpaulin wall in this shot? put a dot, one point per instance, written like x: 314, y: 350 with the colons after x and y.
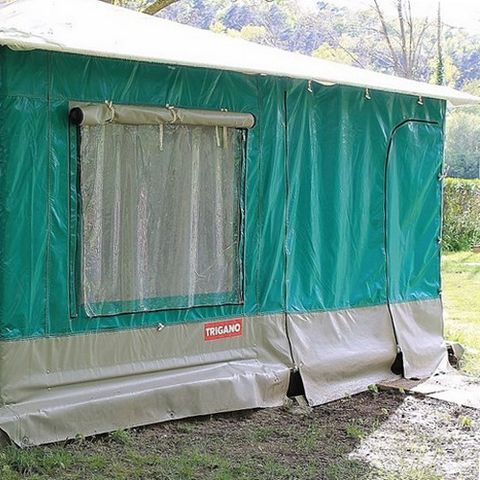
x: 317, y: 183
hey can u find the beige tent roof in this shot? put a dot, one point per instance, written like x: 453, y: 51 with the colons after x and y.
x: 96, y: 28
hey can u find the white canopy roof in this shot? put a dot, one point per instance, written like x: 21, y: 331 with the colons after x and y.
x: 96, y: 28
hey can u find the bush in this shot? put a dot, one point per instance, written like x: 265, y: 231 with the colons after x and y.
x: 461, y: 214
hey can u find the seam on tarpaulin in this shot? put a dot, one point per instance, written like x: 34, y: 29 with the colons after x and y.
x: 166, y: 309
x: 357, y: 307
x: 401, y: 302
x: 259, y: 166
x: 203, y: 320
x: 114, y: 331
x: 286, y: 226
x: 242, y: 227
x: 49, y: 194
x: 441, y: 177
x: 20, y: 95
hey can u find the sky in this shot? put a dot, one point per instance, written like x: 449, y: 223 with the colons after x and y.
x: 458, y: 13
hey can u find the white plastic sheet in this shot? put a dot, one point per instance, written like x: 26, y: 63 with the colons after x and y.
x: 161, y: 217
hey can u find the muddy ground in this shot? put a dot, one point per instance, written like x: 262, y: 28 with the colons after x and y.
x: 375, y: 435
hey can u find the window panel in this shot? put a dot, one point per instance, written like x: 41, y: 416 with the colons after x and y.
x: 161, y: 220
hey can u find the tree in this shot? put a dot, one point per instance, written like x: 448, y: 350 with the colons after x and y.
x: 462, y: 152
x: 157, y: 5
x: 335, y: 54
x: 149, y: 7
x: 473, y: 87
x: 406, y: 44
x: 449, y: 71
x: 440, y: 70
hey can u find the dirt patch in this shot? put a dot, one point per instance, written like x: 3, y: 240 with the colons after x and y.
x: 386, y: 435
x: 439, y: 439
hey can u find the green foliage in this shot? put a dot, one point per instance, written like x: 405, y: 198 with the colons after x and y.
x: 444, y: 72
x: 472, y: 86
x: 461, y: 284
x: 355, y: 430
x: 422, y: 473
x: 465, y: 422
x: 122, y: 437
x: 16, y: 463
x: 373, y: 388
x: 461, y: 215
x: 312, y: 438
x: 462, y: 151
x: 335, y: 54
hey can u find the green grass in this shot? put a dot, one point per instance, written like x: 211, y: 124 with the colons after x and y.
x: 355, y: 430
x: 461, y: 296
x: 412, y: 474
x: 122, y: 437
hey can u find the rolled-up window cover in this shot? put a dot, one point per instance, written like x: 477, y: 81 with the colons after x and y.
x: 88, y: 114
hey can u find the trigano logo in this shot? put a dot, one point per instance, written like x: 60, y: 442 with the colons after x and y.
x: 227, y: 328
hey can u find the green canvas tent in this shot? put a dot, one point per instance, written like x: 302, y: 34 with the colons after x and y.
x: 186, y: 219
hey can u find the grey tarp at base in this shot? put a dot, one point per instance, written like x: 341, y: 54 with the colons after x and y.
x: 106, y: 381
x: 342, y: 352
x: 96, y: 383
x: 419, y: 327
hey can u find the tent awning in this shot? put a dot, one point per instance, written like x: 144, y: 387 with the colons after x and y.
x: 96, y: 28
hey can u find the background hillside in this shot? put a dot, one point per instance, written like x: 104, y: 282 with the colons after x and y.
x: 392, y: 36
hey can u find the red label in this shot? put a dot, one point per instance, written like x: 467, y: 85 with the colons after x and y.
x: 224, y: 329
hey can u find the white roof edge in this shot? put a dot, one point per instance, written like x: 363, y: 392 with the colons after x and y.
x: 96, y: 28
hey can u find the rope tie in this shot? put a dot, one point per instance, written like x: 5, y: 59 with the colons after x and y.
x: 174, y: 113
x: 109, y: 105
x: 225, y: 137
x: 160, y: 133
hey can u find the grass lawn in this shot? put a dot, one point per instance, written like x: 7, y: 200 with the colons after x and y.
x: 461, y: 296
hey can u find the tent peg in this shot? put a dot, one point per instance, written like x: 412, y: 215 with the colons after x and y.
x: 420, y: 100
x: 367, y: 94
x: 309, y: 86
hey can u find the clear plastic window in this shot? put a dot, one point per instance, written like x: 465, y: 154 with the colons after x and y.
x: 160, y: 217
